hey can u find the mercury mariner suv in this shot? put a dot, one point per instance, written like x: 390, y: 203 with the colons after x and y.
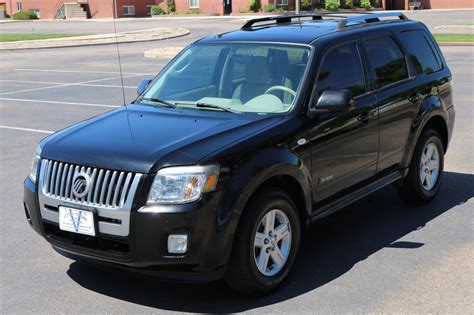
x: 242, y: 141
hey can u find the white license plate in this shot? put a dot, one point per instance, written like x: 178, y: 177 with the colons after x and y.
x: 76, y: 220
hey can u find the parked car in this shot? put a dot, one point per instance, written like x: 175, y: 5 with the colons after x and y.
x: 242, y: 141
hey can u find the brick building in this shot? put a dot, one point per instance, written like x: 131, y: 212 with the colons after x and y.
x: 49, y: 9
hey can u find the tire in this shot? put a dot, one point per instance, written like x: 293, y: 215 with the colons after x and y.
x: 243, y: 274
x: 413, y: 189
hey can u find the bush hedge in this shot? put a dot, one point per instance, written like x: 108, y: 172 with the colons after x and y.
x: 331, y: 5
x: 157, y: 10
x: 25, y: 15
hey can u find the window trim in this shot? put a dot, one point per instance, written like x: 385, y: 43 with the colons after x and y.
x: 19, y: 6
x: 411, y: 70
x: 323, y: 59
x: 283, y: 3
x: 128, y: 10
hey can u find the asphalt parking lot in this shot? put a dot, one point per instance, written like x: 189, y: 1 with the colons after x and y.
x: 375, y: 256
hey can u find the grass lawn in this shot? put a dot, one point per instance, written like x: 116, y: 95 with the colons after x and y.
x: 18, y: 37
x: 447, y: 38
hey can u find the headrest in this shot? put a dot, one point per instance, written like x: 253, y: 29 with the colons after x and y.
x: 258, y: 70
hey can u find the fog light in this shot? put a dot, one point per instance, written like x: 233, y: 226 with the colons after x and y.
x: 177, y: 243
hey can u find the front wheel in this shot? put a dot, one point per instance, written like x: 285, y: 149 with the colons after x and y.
x: 265, y: 244
x: 426, y: 169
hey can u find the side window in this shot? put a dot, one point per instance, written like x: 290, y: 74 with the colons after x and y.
x: 386, y: 61
x: 421, y: 52
x: 341, y: 69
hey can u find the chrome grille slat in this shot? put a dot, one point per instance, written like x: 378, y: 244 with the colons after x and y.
x: 97, y: 185
x: 53, y: 177
x: 104, y: 186
x: 124, y: 189
x: 108, y: 188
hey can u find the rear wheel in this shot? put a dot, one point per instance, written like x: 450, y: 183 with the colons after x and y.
x: 265, y: 244
x: 424, y: 177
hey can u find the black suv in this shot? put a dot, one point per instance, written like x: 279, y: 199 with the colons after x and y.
x: 244, y: 139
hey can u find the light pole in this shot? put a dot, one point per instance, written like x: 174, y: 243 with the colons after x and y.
x: 297, y: 6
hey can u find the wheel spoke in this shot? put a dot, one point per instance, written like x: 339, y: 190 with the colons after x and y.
x: 262, y: 262
x: 429, y: 181
x: 281, y: 231
x: 423, y: 176
x: 429, y: 151
x: 277, y: 257
x: 269, y: 222
x: 434, y: 164
x: 259, y: 240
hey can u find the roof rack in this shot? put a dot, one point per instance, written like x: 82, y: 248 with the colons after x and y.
x: 345, y: 21
x: 281, y: 19
x: 368, y: 18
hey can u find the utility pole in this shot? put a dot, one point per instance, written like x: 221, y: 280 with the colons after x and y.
x: 297, y: 6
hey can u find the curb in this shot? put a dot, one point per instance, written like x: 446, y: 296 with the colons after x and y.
x: 95, y: 40
x: 455, y: 43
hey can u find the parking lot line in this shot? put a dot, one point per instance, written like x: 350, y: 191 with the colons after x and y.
x: 67, y: 84
x: 80, y: 84
x: 80, y: 71
x: 26, y: 129
x: 56, y: 102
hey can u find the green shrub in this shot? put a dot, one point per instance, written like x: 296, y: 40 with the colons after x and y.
x: 157, y: 10
x: 25, y: 15
x: 279, y: 10
x: 365, y: 4
x: 348, y: 4
x: 171, y: 7
x: 331, y: 5
x: 190, y: 11
x: 376, y: 3
x: 306, y: 4
x: 268, y: 7
x: 254, y: 5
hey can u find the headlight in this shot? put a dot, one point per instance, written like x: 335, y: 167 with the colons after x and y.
x: 183, y: 184
x: 34, y: 164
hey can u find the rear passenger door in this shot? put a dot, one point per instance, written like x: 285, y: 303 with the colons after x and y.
x: 345, y: 145
x: 398, y: 95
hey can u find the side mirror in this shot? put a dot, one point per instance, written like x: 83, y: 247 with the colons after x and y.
x: 333, y: 101
x: 142, y: 86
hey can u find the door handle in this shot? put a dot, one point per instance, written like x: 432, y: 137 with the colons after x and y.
x: 365, y: 116
x: 415, y: 97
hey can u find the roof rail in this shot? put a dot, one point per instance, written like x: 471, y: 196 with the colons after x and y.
x: 281, y: 19
x: 368, y: 18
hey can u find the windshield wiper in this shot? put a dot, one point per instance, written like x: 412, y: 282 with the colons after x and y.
x: 157, y: 100
x: 206, y: 105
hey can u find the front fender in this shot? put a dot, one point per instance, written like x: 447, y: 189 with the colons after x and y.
x: 250, y: 175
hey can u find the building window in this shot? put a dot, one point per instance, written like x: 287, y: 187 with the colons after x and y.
x: 128, y: 10
x: 194, y: 4
x: 19, y: 6
x: 281, y: 2
x: 37, y: 12
x: 148, y: 9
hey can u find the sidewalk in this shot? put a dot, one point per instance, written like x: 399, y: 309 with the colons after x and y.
x: 123, y: 37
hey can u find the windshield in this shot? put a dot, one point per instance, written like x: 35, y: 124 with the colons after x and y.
x: 237, y: 77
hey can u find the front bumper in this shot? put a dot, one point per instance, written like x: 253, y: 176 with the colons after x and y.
x: 144, y: 250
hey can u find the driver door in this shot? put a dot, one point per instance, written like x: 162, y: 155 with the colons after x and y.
x: 344, y: 144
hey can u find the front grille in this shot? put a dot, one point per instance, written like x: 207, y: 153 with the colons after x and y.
x: 108, y: 188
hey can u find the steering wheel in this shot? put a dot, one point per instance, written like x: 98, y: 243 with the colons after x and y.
x: 281, y: 88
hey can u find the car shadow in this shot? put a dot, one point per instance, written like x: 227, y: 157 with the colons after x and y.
x: 331, y: 248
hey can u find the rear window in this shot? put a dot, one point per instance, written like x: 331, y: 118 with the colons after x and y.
x: 421, y: 52
x: 387, y: 62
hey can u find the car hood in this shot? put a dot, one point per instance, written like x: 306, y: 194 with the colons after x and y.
x: 142, y: 138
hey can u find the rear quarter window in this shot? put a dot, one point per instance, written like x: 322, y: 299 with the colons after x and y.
x: 386, y: 60
x: 421, y: 52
